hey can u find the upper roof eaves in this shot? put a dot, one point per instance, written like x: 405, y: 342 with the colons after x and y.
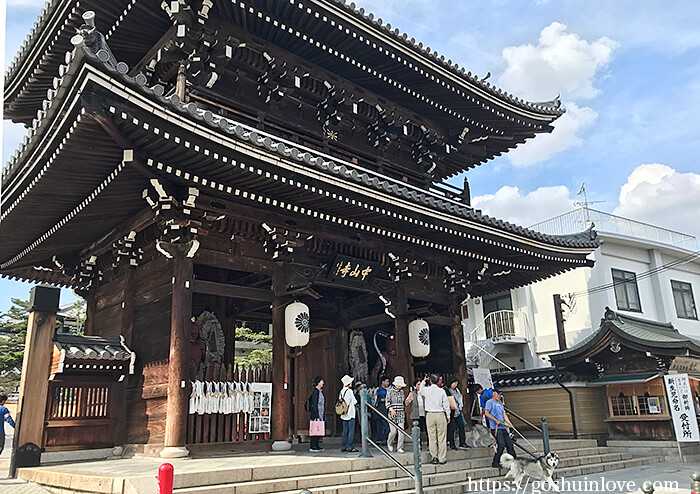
x: 552, y: 107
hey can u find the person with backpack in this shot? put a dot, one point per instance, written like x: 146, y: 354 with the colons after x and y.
x: 484, y: 396
x: 345, y: 407
x: 316, y: 406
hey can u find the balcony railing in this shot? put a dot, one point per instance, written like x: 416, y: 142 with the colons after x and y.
x: 580, y: 219
x: 501, y: 325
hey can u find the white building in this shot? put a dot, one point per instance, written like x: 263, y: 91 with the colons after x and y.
x: 640, y: 270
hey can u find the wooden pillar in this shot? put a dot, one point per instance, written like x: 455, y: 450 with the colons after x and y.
x: 178, y: 366
x: 128, y: 305
x: 90, y: 310
x: 281, y: 393
x: 38, y: 348
x: 404, y: 359
x: 459, y: 358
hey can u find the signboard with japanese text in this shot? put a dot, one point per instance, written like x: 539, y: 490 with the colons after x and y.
x: 352, y: 271
x: 682, y: 408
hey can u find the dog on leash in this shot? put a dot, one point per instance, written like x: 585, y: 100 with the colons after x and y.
x: 479, y: 437
x: 541, y: 469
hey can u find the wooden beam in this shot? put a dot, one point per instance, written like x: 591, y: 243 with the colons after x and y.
x: 138, y: 222
x: 153, y: 52
x: 440, y: 320
x: 225, y: 260
x: 281, y: 402
x: 369, y: 321
x: 231, y: 291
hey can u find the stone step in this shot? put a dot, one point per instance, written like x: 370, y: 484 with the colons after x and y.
x: 463, y: 487
x: 357, y: 470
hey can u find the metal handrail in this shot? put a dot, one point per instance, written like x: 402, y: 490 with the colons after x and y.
x: 417, y: 475
x: 392, y: 459
x: 391, y: 422
x: 482, y: 349
x: 524, y: 421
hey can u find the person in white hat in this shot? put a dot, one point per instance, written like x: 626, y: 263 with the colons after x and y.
x: 395, y: 400
x: 348, y: 396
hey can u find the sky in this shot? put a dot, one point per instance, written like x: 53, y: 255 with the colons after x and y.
x: 628, y: 73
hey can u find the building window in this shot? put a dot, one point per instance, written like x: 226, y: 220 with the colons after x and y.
x: 683, y: 298
x: 623, y: 405
x: 626, y: 292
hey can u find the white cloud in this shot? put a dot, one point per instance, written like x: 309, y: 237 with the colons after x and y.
x: 510, y: 204
x: 660, y: 195
x: 561, y: 62
x: 566, y: 134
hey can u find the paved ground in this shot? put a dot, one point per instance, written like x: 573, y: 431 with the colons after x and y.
x: 617, y: 481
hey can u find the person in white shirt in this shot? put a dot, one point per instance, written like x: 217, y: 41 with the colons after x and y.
x: 437, y: 416
x: 348, y: 396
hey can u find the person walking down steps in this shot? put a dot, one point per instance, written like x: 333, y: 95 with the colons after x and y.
x: 347, y: 402
x: 395, y: 406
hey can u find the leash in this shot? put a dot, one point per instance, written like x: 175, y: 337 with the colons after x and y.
x: 528, y: 442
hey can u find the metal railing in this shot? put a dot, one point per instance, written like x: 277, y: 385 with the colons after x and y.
x: 544, y: 432
x: 581, y: 219
x: 499, y: 324
x: 417, y: 475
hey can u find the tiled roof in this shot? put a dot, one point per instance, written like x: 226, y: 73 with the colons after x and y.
x: 343, y: 169
x: 92, y: 347
x: 641, y: 331
x: 533, y: 377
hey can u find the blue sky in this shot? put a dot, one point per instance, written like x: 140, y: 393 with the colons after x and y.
x: 628, y: 73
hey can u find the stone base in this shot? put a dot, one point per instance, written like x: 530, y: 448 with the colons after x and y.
x: 174, y: 452
x: 281, y: 446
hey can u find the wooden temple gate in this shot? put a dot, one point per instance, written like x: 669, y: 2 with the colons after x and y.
x: 234, y: 177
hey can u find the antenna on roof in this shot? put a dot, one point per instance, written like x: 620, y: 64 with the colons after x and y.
x: 585, y: 203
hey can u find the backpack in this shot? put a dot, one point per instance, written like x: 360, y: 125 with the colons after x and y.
x: 341, y: 406
x: 307, y: 404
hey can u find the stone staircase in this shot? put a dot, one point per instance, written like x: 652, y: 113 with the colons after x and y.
x: 375, y: 475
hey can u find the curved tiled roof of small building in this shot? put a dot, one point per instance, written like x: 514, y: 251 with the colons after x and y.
x: 79, y: 347
x: 636, y: 329
x: 552, y: 107
x: 533, y: 377
x: 346, y: 170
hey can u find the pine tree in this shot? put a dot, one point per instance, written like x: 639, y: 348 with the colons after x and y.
x: 13, y: 331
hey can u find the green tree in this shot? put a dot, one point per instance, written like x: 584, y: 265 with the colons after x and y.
x: 14, y: 331
x: 258, y: 357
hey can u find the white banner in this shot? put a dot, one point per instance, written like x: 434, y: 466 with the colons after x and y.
x: 682, y: 408
x: 483, y: 377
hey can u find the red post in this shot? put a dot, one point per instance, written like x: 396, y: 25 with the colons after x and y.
x: 166, y: 472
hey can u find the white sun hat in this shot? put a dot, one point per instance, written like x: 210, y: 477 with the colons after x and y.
x: 347, y: 380
x: 399, y: 382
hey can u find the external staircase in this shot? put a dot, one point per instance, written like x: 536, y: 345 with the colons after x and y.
x: 324, y: 473
x: 376, y: 475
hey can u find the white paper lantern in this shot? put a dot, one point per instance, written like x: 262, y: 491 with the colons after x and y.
x: 296, y: 324
x: 419, y: 338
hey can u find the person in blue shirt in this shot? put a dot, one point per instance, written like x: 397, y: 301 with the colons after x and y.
x: 500, y: 427
x: 484, y: 396
x: 382, y: 425
x: 5, y: 417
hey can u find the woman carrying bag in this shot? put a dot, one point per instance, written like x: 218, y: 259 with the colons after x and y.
x: 454, y: 396
x: 316, y: 406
